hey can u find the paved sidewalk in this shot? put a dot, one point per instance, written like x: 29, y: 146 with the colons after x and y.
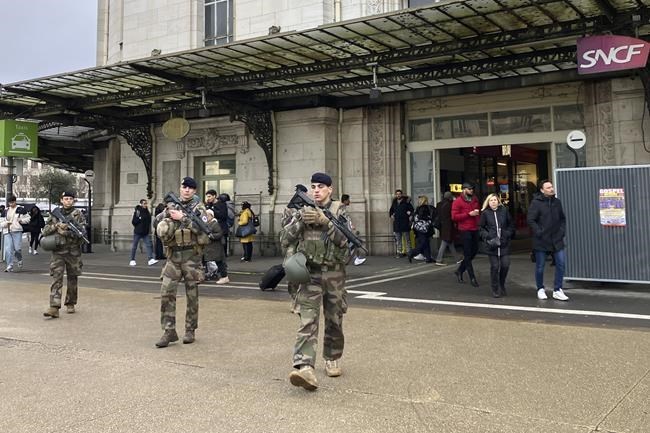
x: 404, y: 371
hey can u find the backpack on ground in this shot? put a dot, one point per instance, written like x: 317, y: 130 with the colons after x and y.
x: 272, y: 277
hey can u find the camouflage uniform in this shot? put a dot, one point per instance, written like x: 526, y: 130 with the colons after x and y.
x: 184, y: 248
x: 288, y: 249
x: 66, y: 258
x: 326, y: 251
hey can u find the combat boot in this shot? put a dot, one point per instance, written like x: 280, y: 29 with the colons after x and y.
x: 169, y: 336
x: 52, y: 312
x: 332, y: 368
x: 304, y: 377
x: 70, y: 309
x: 188, y: 338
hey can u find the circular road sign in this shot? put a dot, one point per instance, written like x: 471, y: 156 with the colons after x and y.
x: 576, y: 139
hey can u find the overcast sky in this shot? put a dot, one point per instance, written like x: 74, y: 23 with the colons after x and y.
x: 46, y: 37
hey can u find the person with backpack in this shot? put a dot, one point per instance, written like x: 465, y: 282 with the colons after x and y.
x: 35, y: 225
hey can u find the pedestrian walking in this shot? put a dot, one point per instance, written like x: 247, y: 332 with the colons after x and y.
x: 159, y: 250
x: 66, y: 255
x: 465, y: 212
x: 141, y: 222
x: 423, y: 228
x: 246, y: 218
x: 445, y: 227
x: 547, y: 222
x: 496, y: 229
x: 12, y: 234
x: 321, y: 254
x: 213, y: 254
x: 35, y: 225
x: 356, y: 254
x: 400, y: 214
x: 224, y: 212
x: 184, y: 242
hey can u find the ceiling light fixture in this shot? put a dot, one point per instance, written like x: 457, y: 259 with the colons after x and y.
x: 375, y: 93
x: 204, y: 111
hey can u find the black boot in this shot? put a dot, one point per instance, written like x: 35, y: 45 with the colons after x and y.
x: 459, y: 276
x: 503, y: 291
x: 495, y: 292
x: 473, y: 282
x: 169, y: 336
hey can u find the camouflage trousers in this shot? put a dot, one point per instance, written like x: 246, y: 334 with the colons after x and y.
x: 326, y: 288
x: 181, y: 265
x: 71, y: 264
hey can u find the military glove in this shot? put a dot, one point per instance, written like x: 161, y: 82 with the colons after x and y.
x: 314, y: 217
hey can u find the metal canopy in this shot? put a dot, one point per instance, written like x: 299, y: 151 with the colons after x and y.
x: 451, y: 44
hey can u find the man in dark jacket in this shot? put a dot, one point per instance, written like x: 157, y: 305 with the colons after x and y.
x: 210, y: 199
x: 548, y: 223
x: 141, y: 231
x: 400, y: 214
x: 224, y: 212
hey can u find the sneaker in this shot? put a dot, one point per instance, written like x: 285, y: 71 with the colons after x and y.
x: 419, y: 257
x: 132, y: 263
x: 304, y: 378
x: 441, y: 264
x: 19, y: 264
x: 359, y: 261
x: 35, y: 253
x: 52, y: 312
x: 150, y: 262
x: 169, y: 336
x: 224, y: 280
x: 559, y: 295
x: 332, y: 368
x: 9, y: 268
x: 70, y: 309
x: 541, y: 294
x: 30, y: 250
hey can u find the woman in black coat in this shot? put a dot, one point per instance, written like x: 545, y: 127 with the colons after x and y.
x: 496, y: 230
x: 35, y: 225
x: 447, y: 230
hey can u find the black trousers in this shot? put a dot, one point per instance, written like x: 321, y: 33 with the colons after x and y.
x: 470, y: 248
x: 422, y: 246
x: 248, y: 251
x: 499, y: 266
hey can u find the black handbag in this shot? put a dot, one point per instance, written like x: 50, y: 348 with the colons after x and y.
x: 493, y: 243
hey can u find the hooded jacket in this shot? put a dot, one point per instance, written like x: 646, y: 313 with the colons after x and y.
x: 141, y: 221
x: 547, y: 223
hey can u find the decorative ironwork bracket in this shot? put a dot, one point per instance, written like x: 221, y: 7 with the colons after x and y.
x: 141, y: 141
x: 260, y: 125
x: 644, y: 74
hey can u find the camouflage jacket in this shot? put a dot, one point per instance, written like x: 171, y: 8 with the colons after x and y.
x: 167, y: 228
x: 69, y: 238
x: 322, y: 245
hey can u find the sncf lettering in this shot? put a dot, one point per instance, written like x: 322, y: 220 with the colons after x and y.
x: 620, y: 55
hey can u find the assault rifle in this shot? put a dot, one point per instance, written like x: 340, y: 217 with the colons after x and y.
x: 202, y: 225
x: 72, y: 224
x: 300, y: 199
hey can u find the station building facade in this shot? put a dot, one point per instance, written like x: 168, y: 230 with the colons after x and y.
x: 503, y: 137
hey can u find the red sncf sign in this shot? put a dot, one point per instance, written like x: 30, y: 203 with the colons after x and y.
x: 611, y: 53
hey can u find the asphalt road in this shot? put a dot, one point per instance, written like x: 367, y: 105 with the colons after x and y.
x: 386, y: 282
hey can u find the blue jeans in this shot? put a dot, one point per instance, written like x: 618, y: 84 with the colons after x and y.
x: 13, y: 243
x: 147, y: 244
x: 540, y: 262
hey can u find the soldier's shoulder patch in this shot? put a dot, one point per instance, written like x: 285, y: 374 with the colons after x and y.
x: 205, y: 219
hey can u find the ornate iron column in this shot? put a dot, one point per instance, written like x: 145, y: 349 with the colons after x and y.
x: 141, y: 141
x: 260, y: 125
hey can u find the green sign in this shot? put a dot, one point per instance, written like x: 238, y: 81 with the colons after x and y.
x: 18, y: 138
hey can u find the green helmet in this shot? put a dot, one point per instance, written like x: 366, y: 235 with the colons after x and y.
x: 52, y: 242
x: 295, y: 267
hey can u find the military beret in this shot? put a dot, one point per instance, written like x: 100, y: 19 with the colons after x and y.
x: 323, y: 178
x: 189, y: 182
x: 68, y: 194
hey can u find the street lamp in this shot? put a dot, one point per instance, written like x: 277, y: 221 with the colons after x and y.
x: 89, y: 176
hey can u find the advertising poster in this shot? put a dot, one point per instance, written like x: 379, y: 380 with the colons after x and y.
x: 612, y: 207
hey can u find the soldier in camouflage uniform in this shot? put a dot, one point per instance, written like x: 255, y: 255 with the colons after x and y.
x: 326, y: 251
x: 66, y: 257
x: 184, y: 248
